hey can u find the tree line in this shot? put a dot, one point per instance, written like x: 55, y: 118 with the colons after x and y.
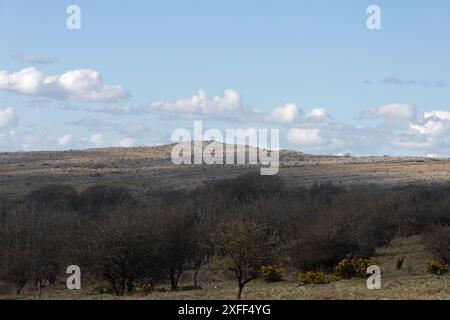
x: 237, y: 225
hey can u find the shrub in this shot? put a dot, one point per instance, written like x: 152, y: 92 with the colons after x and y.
x: 145, y: 288
x: 360, y: 265
x: 311, y: 277
x: 272, y: 273
x: 438, y: 238
x: 345, y: 269
x: 437, y: 267
x: 99, y: 197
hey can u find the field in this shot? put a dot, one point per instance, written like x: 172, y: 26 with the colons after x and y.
x: 150, y: 169
x: 410, y: 283
x: 147, y: 172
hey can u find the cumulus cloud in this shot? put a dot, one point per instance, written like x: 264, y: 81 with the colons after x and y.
x: 318, y: 113
x: 79, y: 85
x: 305, y: 137
x: 291, y: 113
x: 97, y: 140
x: 8, y: 117
x: 65, y: 140
x: 125, y: 143
x: 33, y: 58
x: 202, y: 104
x: 443, y: 115
x: 285, y: 114
x: 319, y: 133
x: 391, y: 112
x: 430, y: 127
x: 431, y: 134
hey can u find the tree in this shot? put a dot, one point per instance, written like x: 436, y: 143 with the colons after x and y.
x: 177, y: 245
x: 32, y: 244
x: 124, y: 249
x: 99, y: 198
x: 53, y: 197
x: 242, y: 247
x: 438, y: 240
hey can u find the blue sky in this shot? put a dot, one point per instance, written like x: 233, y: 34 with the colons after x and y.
x: 310, y: 68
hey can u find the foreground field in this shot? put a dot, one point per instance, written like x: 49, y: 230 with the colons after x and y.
x: 410, y: 283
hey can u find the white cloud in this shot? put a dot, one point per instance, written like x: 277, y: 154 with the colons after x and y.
x: 305, y: 137
x: 97, y: 140
x: 318, y: 113
x: 443, y: 115
x: 125, y: 143
x: 65, y: 140
x: 430, y: 134
x: 430, y: 127
x: 201, y: 104
x: 8, y: 117
x: 79, y: 85
x: 392, y: 112
x: 285, y: 114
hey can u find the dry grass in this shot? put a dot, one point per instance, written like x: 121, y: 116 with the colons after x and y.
x: 410, y: 283
x: 149, y: 169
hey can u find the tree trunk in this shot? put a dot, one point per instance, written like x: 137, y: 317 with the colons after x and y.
x: 119, y: 287
x: 129, y: 285
x: 175, y: 277
x: 241, y: 287
x: 173, y: 282
x: 20, y: 287
x: 195, y: 277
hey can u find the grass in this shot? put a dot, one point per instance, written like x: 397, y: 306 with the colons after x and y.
x: 410, y: 283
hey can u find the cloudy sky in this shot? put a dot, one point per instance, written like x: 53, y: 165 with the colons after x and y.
x: 137, y: 70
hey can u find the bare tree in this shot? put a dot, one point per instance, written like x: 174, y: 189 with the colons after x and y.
x: 242, y: 247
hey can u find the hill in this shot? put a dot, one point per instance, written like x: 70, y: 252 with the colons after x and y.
x: 148, y: 169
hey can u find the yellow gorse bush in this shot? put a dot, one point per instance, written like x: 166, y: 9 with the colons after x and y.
x: 311, y: 277
x: 347, y: 269
x: 344, y: 269
x: 437, y: 267
x: 361, y: 266
x: 272, y: 273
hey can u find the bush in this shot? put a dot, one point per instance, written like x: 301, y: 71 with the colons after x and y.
x: 438, y: 238
x: 345, y: 269
x: 53, y: 197
x: 437, y: 267
x: 145, y: 288
x: 311, y: 277
x: 361, y: 266
x: 272, y: 273
x: 100, y: 198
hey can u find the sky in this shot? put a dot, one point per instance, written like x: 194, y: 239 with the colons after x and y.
x: 138, y: 70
